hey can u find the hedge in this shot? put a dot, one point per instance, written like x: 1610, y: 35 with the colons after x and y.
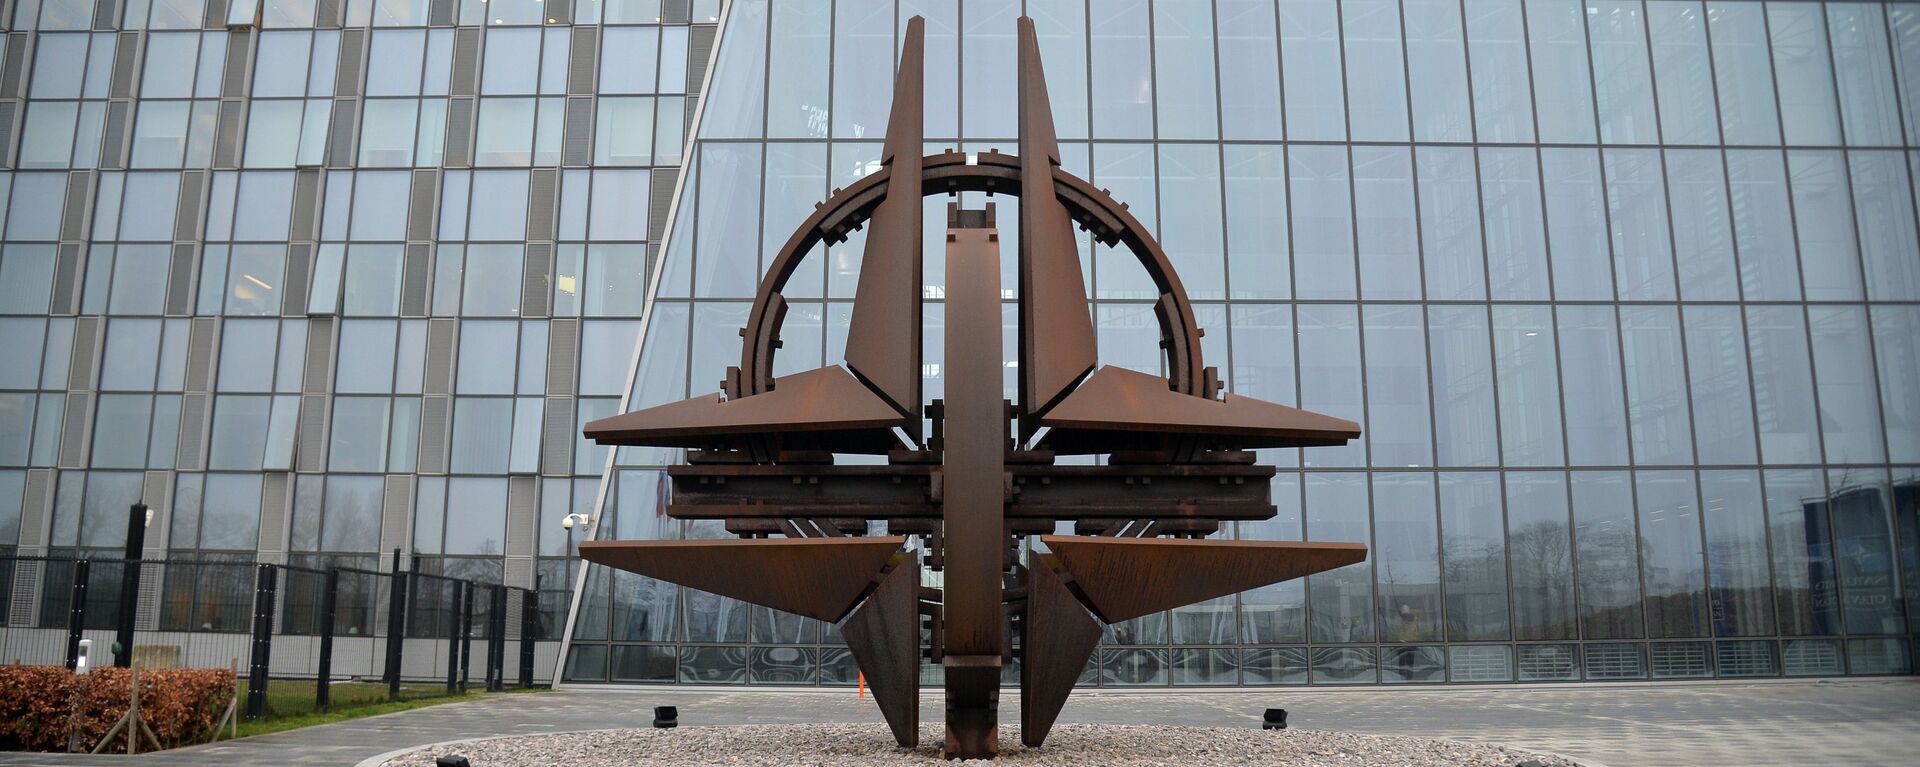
x: 182, y: 706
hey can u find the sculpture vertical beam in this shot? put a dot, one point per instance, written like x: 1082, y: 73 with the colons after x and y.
x: 1057, y: 346
x: 883, y: 338
x: 974, y: 509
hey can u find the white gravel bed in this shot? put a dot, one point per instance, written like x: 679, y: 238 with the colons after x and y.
x: 870, y: 745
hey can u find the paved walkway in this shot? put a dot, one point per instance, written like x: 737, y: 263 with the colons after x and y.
x: 1767, y: 723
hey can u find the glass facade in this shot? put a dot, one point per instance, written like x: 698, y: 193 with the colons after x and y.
x: 1625, y: 295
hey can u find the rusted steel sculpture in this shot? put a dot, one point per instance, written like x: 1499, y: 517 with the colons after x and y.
x: 984, y: 478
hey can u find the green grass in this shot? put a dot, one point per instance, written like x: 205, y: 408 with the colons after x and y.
x: 290, y: 703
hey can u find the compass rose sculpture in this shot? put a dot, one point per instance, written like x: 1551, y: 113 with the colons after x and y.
x: 983, y: 480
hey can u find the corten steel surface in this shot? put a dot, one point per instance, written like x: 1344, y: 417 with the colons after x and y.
x: 982, y: 488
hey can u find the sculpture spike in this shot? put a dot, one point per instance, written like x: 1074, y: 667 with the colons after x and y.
x: 1057, y: 344
x: 883, y: 338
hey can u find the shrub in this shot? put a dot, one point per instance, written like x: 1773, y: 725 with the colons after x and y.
x: 182, y: 706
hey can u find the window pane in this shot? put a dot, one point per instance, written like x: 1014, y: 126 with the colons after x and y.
x: 1516, y: 228
x: 1637, y: 201
x: 606, y: 374
x: 499, y: 209
x: 616, y: 280
x: 735, y: 109
x: 1330, y: 376
x: 1717, y: 378
x: 506, y: 132
x: 1823, y: 215
x: 1591, y: 379
x: 1671, y: 554
x: 491, y: 285
x: 1311, y: 66
x: 120, y: 431
x: 386, y: 133
x: 624, y: 135
x: 797, y: 69
x: 393, y: 62
x: 629, y: 59
x: 1557, y: 37
x: 1450, y: 224
x: 1623, y: 84
x: 1437, y: 64
x: 1122, y: 57
x: 1743, y: 72
x: 1256, y: 219
x: 477, y: 520
x: 1341, y: 599
x: 1406, y: 557
x: 1397, y: 412
x: 359, y: 434
x: 1800, y: 62
x: 1249, y: 70
x: 1606, y: 544
x: 1502, y: 87
x: 1463, y: 392
x: 486, y: 357
x: 1863, y: 69
x: 619, y: 208
x: 1388, y: 233
x: 727, y: 258
x: 1783, y: 385
x: 1736, y: 545
x: 366, y: 356
x: 1322, y: 221
x: 1657, y: 402
x: 481, y: 427
x: 1850, y: 425
x: 1375, y: 73
x: 1763, y: 225
x: 239, y: 433
x: 1683, y: 72
x: 1576, y: 224
x: 1806, y: 588
x: 1896, y: 341
x: 352, y: 522
x: 1529, y: 386
x: 1883, y: 202
x: 1184, y: 66
x: 244, y: 349
x: 230, y: 512
x: 372, y: 280
x: 1702, y: 228
x: 253, y: 284
x: 512, y: 61
x: 160, y: 134
x: 1475, y: 545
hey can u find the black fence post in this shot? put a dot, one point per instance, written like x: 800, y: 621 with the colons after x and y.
x: 329, y: 601
x: 466, y: 632
x: 76, y: 613
x: 263, y: 593
x: 396, y: 625
x: 129, y: 586
x: 453, y: 638
x: 496, y: 638
x: 529, y: 622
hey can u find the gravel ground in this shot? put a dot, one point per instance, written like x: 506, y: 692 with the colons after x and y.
x: 870, y: 745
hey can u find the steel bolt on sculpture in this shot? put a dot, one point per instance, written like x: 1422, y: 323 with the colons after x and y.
x: 1180, y: 452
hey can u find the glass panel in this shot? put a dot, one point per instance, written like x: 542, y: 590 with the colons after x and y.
x: 1515, y: 226
x: 1562, y: 85
x: 1342, y: 599
x: 1671, y: 554
x: 1606, y: 543
x: 1736, y: 543
x: 1436, y: 62
x: 1683, y: 72
x: 1576, y: 224
x: 1184, y: 66
x: 1763, y: 225
x: 1541, y: 555
x: 1122, y: 58
x: 1330, y: 375
x: 1806, y: 589
x: 1528, y: 386
x: 1863, y: 70
x: 1807, y: 106
x: 1783, y: 385
x: 1388, y: 233
x: 1322, y: 222
x: 1896, y: 343
x: 1450, y: 224
x: 1863, y: 541
x: 1656, y: 369
x: 1249, y: 71
x: 1501, y: 83
x: 1623, y: 84
x: 1823, y: 217
x: 1310, y: 63
x: 1396, y: 379
x: 1474, y: 542
x: 1406, y: 557
x: 733, y: 106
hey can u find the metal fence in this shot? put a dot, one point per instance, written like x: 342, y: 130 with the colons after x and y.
x: 418, y: 633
